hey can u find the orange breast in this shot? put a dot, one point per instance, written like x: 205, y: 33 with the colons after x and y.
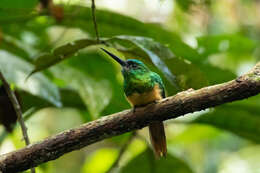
x: 137, y: 99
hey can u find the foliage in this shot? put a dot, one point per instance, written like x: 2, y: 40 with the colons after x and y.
x: 56, y: 64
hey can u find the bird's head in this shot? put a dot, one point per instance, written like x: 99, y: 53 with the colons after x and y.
x: 130, y: 66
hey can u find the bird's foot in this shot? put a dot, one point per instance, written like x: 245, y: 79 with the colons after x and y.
x: 155, y: 101
x: 136, y: 107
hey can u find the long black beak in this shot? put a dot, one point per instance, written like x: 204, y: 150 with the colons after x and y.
x: 120, y: 61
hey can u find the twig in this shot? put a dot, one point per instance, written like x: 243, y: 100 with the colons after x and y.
x: 119, y: 123
x: 93, y: 8
x: 18, y: 110
x: 121, y: 152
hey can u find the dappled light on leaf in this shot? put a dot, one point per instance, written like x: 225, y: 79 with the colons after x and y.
x: 95, y: 94
x: 225, y: 43
x: 100, y: 161
x: 37, y: 85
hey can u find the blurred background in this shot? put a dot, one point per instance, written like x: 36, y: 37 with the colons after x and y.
x: 190, y: 43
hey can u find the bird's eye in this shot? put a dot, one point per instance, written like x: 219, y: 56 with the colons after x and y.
x: 134, y: 65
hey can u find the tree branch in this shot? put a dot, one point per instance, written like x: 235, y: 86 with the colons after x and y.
x: 122, y: 122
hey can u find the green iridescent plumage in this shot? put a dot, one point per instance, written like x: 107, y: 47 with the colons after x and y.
x: 138, y: 78
x: 141, y: 87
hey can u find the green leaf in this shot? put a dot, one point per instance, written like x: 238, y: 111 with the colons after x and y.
x: 69, y: 98
x: 100, y: 68
x: 32, y: 31
x: 13, y: 48
x: 146, y: 48
x: 61, y: 53
x: 181, y: 73
x: 18, y: 4
x: 100, y: 161
x: 241, y: 119
x: 216, y: 75
x: 32, y: 101
x: 113, y: 24
x: 188, y: 75
x: 96, y: 94
x: 16, y: 70
x: 236, y: 44
x: 196, y: 133
x: 249, y: 156
x: 145, y: 162
x: 185, y: 4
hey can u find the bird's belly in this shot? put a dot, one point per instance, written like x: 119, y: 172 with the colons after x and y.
x: 138, y: 99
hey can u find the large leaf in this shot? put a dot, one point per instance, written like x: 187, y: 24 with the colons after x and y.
x: 112, y: 24
x: 69, y: 98
x: 100, y: 160
x: 248, y: 156
x: 16, y: 70
x: 18, y: 4
x: 177, y: 70
x: 188, y: 75
x: 236, y: 44
x: 145, y: 162
x: 100, y: 68
x: 46, y: 60
x: 240, y: 118
x: 143, y: 47
x: 12, y: 47
x: 182, y: 74
x: 96, y: 94
x: 89, y: 67
x: 216, y: 75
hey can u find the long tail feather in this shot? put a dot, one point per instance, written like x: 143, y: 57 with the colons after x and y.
x: 158, y: 139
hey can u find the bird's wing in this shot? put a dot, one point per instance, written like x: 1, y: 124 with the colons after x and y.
x: 158, y: 80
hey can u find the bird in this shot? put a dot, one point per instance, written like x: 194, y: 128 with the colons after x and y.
x: 141, y: 87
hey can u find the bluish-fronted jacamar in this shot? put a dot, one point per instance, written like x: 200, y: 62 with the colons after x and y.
x: 143, y: 86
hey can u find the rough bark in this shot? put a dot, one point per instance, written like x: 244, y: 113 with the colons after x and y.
x: 171, y: 107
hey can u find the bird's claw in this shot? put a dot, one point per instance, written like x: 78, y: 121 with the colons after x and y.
x: 155, y: 101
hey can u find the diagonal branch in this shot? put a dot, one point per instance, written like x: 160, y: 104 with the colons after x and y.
x: 122, y: 122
